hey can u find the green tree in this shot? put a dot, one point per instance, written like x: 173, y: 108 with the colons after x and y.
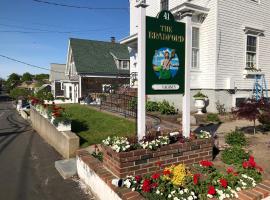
x: 27, y: 77
x: 21, y: 93
x: 12, y: 81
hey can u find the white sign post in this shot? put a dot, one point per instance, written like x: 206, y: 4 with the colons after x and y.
x: 141, y: 119
x: 186, y: 99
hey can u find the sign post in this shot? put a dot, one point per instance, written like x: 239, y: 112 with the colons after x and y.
x: 164, y: 58
x: 186, y: 99
x: 141, y: 114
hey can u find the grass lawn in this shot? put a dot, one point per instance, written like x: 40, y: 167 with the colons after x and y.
x: 93, y: 126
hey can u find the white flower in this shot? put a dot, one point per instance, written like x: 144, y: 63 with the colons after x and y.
x: 169, y: 196
x: 157, y: 192
x: 185, y: 190
x: 190, y: 198
x: 133, y: 189
x: 238, y: 189
x: 192, y: 193
x: 181, y: 192
x: 173, y: 192
x: 227, y: 195
x: 209, y: 196
x: 127, y: 183
x: 176, y: 198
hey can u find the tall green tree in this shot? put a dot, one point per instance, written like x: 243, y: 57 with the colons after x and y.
x: 12, y: 81
x: 27, y: 77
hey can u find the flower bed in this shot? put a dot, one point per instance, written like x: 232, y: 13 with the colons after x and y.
x: 55, y: 114
x: 201, y: 181
x: 124, y: 158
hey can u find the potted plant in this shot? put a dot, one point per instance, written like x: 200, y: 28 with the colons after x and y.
x: 200, y: 99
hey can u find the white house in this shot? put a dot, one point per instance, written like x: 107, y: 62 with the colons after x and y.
x: 231, y: 43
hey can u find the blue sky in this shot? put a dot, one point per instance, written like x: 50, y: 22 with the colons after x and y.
x: 41, y: 49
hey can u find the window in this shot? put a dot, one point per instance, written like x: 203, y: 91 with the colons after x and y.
x: 251, y: 52
x: 164, y: 5
x: 195, y: 47
x: 125, y: 65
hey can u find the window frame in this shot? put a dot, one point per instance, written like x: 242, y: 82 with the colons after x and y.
x: 256, y: 53
x: 197, y: 48
x: 162, y: 2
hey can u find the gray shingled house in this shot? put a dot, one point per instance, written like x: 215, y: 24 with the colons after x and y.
x: 57, y: 77
x: 94, y: 66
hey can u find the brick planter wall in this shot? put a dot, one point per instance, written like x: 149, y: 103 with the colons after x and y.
x: 141, y: 161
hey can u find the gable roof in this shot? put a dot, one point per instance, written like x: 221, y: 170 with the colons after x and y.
x: 57, y: 72
x: 97, y: 57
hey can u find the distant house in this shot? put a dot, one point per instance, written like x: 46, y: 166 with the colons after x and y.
x: 57, y: 77
x: 94, y: 66
x: 28, y: 85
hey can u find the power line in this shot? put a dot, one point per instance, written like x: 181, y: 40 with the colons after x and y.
x: 80, y: 7
x: 31, y: 65
x: 50, y: 31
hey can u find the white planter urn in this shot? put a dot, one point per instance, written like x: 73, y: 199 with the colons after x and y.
x: 63, y: 127
x: 199, y: 104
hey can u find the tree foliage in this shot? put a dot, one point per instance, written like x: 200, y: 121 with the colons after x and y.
x: 12, y: 81
x: 27, y: 77
x: 44, y: 94
x: 19, y: 93
x: 251, y: 110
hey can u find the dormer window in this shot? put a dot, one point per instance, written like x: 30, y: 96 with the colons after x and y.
x: 125, y: 64
x: 164, y: 5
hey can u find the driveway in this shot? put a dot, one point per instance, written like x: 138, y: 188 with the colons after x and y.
x: 27, y: 169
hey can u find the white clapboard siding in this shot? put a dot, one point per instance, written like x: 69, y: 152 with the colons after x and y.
x: 233, y: 17
x: 204, y: 78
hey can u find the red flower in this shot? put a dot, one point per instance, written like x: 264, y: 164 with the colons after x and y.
x: 223, y: 183
x: 158, y: 163
x: 196, y: 178
x: 138, y: 178
x: 211, y: 190
x: 206, y: 163
x: 230, y: 170
x: 245, y: 164
x: 155, y: 176
x: 251, y: 162
x: 260, y: 169
x: 146, y: 187
x: 154, y: 185
x: 166, y: 172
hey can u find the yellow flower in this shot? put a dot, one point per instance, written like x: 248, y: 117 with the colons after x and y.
x: 178, y: 174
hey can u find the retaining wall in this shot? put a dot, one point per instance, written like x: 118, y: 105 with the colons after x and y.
x: 66, y: 142
x: 141, y: 161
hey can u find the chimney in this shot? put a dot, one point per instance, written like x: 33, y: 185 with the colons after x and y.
x: 112, y: 39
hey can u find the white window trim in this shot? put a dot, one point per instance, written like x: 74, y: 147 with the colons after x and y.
x: 257, y: 50
x: 198, y: 69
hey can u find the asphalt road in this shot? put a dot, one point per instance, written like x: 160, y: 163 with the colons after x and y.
x: 27, y: 163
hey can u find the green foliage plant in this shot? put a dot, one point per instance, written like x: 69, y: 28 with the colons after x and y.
x: 234, y: 155
x: 152, y: 106
x: 213, y: 117
x: 236, y: 138
x: 165, y: 108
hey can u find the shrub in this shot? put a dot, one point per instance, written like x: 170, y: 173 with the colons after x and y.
x: 234, y: 155
x: 200, y: 95
x: 165, y: 108
x: 212, y: 117
x: 17, y: 93
x: 249, y: 110
x: 264, y: 119
x: 220, y: 108
x: 236, y: 138
x: 152, y: 106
